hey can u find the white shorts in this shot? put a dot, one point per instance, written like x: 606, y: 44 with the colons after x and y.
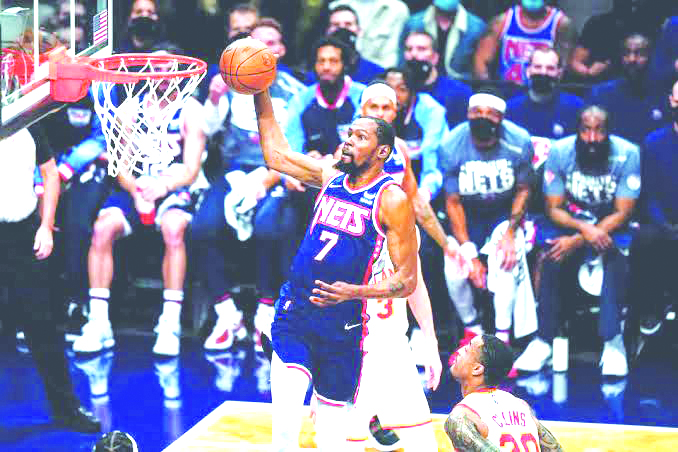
x: 390, y: 387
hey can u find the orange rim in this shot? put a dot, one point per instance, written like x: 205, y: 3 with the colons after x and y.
x: 106, y: 69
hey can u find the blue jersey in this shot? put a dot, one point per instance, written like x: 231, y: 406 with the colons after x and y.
x: 343, y: 239
x: 395, y: 165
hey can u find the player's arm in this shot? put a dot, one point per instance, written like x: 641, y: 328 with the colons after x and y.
x: 547, y: 442
x: 277, y: 152
x: 465, y: 429
x: 487, y: 47
x: 396, y: 217
x: 566, y: 38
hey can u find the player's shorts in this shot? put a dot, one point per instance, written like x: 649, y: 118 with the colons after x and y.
x: 181, y: 199
x: 391, y: 388
x: 319, y: 342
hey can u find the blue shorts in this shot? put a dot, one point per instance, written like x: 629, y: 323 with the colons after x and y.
x: 322, y: 343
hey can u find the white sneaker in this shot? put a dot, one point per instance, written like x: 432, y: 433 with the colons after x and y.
x: 228, y: 366
x: 96, y: 335
x: 168, y: 340
x: 535, y: 357
x: 613, y: 360
x: 97, y: 369
x: 228, y: 328
x: 168, y: 377
x: 262, y: 324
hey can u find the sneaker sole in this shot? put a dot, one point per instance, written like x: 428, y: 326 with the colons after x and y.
x: 651, y: 331
x: 106, y: 344
x: 547, y: 363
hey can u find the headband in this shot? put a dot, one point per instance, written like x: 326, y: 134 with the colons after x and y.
x: 378, y: 90
x: 487, y: 100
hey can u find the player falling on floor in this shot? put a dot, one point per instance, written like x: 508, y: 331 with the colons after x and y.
x: 319, y: 323
x: 487, y: 418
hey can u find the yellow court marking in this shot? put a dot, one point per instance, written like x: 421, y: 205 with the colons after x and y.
x: 246, y: 427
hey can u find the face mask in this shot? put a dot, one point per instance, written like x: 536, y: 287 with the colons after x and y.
x: 483, y: 129
x: 593, y: 154
x: 543, y: 84
x: 420, y: 70
x: 532, y: 5
x: 145, y: 28
x: 449, y: 6
x: 674, y: 114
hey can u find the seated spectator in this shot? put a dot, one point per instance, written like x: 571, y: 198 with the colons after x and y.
x: 421, y: 56
x: 591, y: 184
x: 319, y: 116
x: 513, y: 35
x: 144, y: 30
x: 382, y: 22
x: 455, y: 32
x: 664, y: 61
x: 343, y: 26
x: 656, y: 243
x: 160, y: 196
x: 421, y: 124
x: 635, y: 101
x: 487, y: 171
x: 232, y: 114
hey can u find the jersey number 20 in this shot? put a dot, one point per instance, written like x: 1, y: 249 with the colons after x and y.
x: 527, y: 440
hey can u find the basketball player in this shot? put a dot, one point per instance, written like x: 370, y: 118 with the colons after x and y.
x: 168, y: 190
x: 362, y: 230
x: 487, y: 418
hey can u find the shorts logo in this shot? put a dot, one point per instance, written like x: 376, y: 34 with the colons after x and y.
x: 287, y: 304
x: 348, y: 327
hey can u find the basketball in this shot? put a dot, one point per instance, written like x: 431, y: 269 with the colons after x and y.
x: 248, y: 66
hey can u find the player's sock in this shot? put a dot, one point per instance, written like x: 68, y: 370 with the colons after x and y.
x: 288, y: 391
x: 331, y: 427
x: 98, y: 304
x: 504, y: 299
x: 171, y: 307
x: 421, y: 438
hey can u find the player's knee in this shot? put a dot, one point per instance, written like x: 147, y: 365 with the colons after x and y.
x: 173, y: 227
x: 106, y: 228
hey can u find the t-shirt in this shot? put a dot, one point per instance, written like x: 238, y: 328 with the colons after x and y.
x: 486, y: 180
x: 453, y: 95
x: 659, y: 169
x: 593, y: 190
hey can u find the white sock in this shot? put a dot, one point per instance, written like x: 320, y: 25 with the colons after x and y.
x: 98, y: 304
x: 288, y: 391
x: 504, y: 299
x: 225, y: 306
x: 171, y: 308
x: 331, y: 427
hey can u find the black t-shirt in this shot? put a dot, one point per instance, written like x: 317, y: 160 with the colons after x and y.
x: 43, y: 150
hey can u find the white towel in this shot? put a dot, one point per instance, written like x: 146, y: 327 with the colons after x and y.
x: 525, y: 306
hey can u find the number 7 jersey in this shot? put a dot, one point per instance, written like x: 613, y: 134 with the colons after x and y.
x: 344, y: 238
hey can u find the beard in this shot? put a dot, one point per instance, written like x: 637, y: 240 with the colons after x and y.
x: 592, y: 155
x: 349, y: 168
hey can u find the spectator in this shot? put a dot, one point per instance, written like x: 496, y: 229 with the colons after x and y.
x: 487, y: 175
x: 233, y: 115
x: 515, y: 33
x: 160, y: 196
x: 382, y: 22
x: 664, y: 63
x: 60, y: 23
x: 421, y: 124
x: 145, y: 29
x: 591, y: 184
x: 422, y: 57
x: 455, y: 32
x: 26, y: 242
x: 656, y: 241
x: 319, y: 116
x: 634, y: 100
x: 343, y: 26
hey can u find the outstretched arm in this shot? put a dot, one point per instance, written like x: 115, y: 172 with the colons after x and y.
x: 465, y: 435
x: 277, y: 152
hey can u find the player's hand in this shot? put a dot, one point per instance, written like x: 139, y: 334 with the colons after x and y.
x: 331, y: 294
x: 478, y: 273
x: 562, y: 247
x: 434, y: 367
x: 217, y: 89
x: 506, y: 251
x: 43, y: 243
x: 598, y: 68
x: 599, y: 239
x: 293, y: 184
x: 155, y: 188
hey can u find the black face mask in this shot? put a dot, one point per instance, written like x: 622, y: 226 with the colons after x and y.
x: 674, y: 114
x: 420, y: 71
x: 594, y: 154
x: 543, y: 84
x: 483, y: 129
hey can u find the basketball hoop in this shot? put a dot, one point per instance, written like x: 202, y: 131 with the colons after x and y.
x: 154, y: 87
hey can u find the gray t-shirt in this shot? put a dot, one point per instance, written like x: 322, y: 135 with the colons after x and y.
x: 486, y: 180
x: 593, y: 190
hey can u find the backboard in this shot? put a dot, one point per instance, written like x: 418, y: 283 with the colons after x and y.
x: 78, y: 27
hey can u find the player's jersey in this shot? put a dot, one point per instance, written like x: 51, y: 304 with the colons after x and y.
x: 519, y: 42
x: 395, y: 165
x: 508, y: 418
x: 343, y: 240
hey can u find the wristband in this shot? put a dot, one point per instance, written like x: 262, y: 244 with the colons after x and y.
x: 469, y: 250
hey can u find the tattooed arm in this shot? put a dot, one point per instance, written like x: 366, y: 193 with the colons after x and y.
x: 465, y: 432
x: 547, y: 442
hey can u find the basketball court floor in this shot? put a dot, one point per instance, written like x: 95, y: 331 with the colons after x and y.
x: 210, y: 402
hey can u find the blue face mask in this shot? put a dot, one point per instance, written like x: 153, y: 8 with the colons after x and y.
x: 448, y: 6
x: 532, y: 5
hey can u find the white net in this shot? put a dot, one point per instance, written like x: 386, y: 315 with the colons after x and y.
x: 135, y: 117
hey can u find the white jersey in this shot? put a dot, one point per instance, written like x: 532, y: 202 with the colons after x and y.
x: 508, y: 418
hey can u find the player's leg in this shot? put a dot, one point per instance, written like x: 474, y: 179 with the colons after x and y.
x: 289, y: 384
x: 504, y: 299
x: 612, y: 299
x: 173, y: 224
x: 332, y: 426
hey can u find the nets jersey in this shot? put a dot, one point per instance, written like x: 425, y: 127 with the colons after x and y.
x: 344, y: 239
x: 519, y: 42
x: 509, y: 419
x: 395, y: 165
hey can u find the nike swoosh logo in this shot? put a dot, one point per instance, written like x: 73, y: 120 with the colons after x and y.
x: 350, y: 327
x: 370, y: 196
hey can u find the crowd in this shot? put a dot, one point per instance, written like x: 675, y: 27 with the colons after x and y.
x: 546, y: 151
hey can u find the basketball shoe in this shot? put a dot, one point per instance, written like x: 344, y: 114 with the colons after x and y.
x: 537, y: 354
x: 97, y: 369
x: 228, y: 328
x: 169, y: 333
x: 228, y: 366
x: 262, y: 323
x: 76, y: 317
x: 167, y: 372
x: 96, y: 335
x: 613, y: 360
